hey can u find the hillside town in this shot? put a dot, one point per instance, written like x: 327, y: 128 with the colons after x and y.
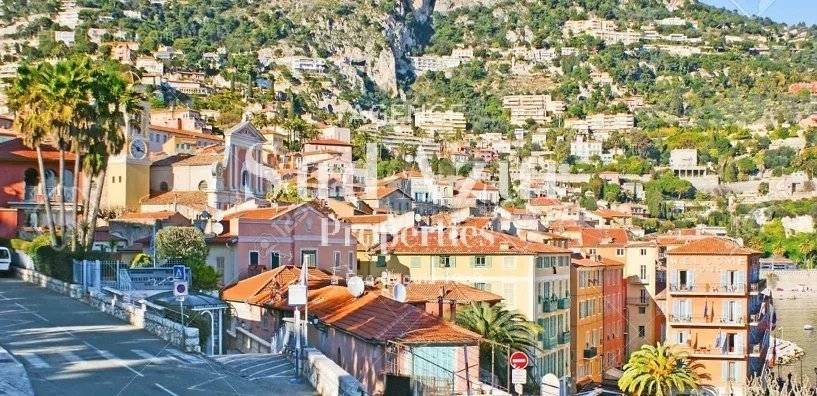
x: 387, y: 198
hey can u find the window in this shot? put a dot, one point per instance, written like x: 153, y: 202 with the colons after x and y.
x: 642, y: 331
x: 643, y: 297
x: 309, y: 258
x: 642, y: 310
x: 480, y: 262
x: 274, y: 260
x: 508, y: 262
x: 202, y: 185
x: 643, y: 273
x: 415, y: 262
x: 643, y: 252
x: 446, y: 262
x: 336, y: 263
x: 163, y: 186
x: 253, y: 258
x: 381, y: 261
x: 220, y: 265
x: 593, y: 252
x: 619, y: 252
x: 351, y: 261
x: 482, y: 286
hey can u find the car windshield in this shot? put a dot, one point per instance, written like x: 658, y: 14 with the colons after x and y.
x: 4, y: 254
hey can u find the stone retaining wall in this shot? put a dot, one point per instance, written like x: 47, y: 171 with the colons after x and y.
x: 328, y: 378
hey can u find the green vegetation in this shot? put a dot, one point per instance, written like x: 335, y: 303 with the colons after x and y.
x: 187, y: 244
x: 659, y: 371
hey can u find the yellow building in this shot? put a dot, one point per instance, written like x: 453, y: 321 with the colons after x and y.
x: 645, y: 323
x: 128, y: 176
x: 532, y: 278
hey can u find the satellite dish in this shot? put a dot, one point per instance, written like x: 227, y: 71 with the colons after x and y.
x: 355, y: 286
x: 399, y: 292
x: 217, y: 228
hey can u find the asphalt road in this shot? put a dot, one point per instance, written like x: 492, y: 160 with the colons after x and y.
x: 69, y: 348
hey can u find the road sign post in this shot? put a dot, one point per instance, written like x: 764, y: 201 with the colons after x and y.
x: 180, y: 291
x: 519, y: 360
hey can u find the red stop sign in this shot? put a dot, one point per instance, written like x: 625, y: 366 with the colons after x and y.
x: 519, y: 360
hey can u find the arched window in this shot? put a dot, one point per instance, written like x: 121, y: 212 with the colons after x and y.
x: 163, y: 186
x: 32, y: 180
x: 202, y: 185
x: 245, y: 179
x: 50, y: 181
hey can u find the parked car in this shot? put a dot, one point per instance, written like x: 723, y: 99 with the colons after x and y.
x: 5, y: 260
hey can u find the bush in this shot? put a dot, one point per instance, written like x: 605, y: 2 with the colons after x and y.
x: 53, y: 262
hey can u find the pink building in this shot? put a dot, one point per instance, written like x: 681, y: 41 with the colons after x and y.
x: 257, y: 240
x: 385, y: 344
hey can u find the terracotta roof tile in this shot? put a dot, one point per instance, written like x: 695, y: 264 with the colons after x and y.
x: 464, y: 241
x: 544, y: 201
x: 459, y: 292
x: 15, y: 151
x: 261, y: 213
x: 271, y: 287
x: 713, y: 246
x: 193, y: 199
x: 477, y: 222
x: 603, y: 236
x: 376, y: 317
x: 328, y: 142
x: 366, y: 219
x: 201, y: 159
x: 611, y: 214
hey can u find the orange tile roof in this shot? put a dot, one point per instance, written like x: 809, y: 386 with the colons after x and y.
x: 603, y: 236
x: 482, y: 186
x: 477, y: 222
x: 328, y: 142
x: 713, y: 246
x: 261, y: 213
x: 271, y: 287
x: 459, y: 292
x: 611, y: 214
x: 375, y: 317
x: 184, y: 132
x: 544, y: 201
x: 366, y: 219
x: 601, y: 262
x: 160, y: 215
x: 193, y: 199
x: 464, y: 241
x: 383, y: 192
x: 201, y: 159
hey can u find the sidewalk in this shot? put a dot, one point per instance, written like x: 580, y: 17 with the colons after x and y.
x: 13, y: 378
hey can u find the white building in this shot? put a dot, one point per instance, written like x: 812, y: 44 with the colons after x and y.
x: 66, y: 37
x: 440, y: 121
x: 584, y: 149
x: 316, y: 65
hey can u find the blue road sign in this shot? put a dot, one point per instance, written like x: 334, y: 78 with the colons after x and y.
x: 179, y: 272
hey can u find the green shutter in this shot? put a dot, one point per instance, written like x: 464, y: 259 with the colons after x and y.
x: 381, y: 261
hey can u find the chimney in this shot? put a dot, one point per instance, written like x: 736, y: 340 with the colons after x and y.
x: 440, y: 306
x: 452, y: 309
x: 178, y: 123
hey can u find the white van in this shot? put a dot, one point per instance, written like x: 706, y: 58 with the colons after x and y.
x: 5, y: 259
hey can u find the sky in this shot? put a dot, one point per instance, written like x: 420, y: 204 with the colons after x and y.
x: 788, y: 11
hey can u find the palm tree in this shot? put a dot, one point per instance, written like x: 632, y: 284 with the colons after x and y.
x: 659, y: 371
x: 117, y: 105
x: 498, y: 324
x: 27, y: 100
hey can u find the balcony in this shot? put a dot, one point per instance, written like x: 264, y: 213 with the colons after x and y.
x: 549, y: 306
x: 549, y: 342
x: 564, y: 337
x: 590, y: 353
x: 690, y: 320
x: 563, y: 303
x: 708, y: 288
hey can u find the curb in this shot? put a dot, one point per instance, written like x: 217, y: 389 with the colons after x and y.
x: 13, y: 377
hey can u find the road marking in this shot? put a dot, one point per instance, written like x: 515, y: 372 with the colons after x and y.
x: 269, y: 369
x: 16, y: 322
x: 32, y: 312
x: 34, y: 360
x: 195, y: 387
x: 147, y: 356
x: 71, y: 357
x: 110, y: 356
x: 185, y: 357
x: 166, y: 390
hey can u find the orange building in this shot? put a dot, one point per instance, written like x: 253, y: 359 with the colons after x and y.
x: 713, y: 289
x: 614, y: 289
x: 586, y: 320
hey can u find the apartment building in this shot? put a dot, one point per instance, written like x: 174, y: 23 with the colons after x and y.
x: 440, y: 121
x: 532, y: 278
x: 614, y: 290
x: 586, y: 319
x: 645, y: 278
x: 538, y: 108
x: 712, y: 301
x: 585, y: 150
